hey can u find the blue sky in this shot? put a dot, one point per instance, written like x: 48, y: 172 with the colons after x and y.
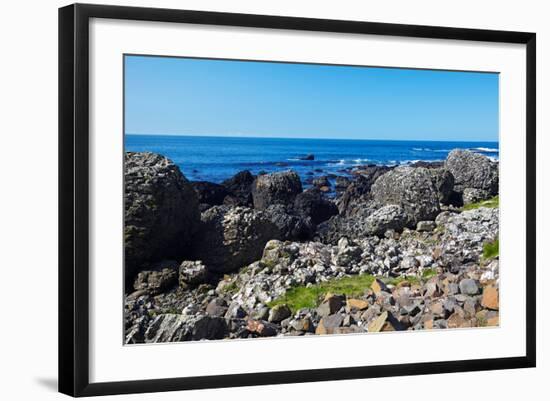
x: 182, y: 96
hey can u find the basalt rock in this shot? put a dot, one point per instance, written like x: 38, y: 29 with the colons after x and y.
x: 311, y: 203
x: 281, y: 188
x: 240, y: 189
x: 230, y: 238
x: 411, y: 188
x: 161, y: 212
x: 209, y: 193
x: 472, y: 170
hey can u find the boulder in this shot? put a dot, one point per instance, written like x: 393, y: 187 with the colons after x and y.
x: 472, y: 170
x: 156, y: 281
x: 240, y: 189
x: 309, y: 156
x: 281, y: 187
x: 390, y: 217
x: 311, y: 203
x: 209, y: 193
x: 192, y: 273
x: 291, y: 226
x: 231, y: 238
x: 161, y: 211
x: 279, y: 313
x: 411, y: 188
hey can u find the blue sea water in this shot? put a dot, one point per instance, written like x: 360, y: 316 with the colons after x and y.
x: 214, y: 159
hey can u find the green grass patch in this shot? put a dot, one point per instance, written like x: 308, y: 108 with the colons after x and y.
x: 490, y: 203
x: 490, y: 249
x: 297, y: 298
x: 428, y: 274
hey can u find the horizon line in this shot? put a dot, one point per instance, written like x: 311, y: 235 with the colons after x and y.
x: 297, y: 137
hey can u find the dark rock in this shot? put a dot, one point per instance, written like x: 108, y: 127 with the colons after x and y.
x: 281, y: 187
x: 216, y: 307
x: 156, y: 282
x: 307, y: 157
x: 192, y: 273
x: 279, y: 313
x: 472, y: 170
x: 331, y: 305
x: 209, y: 328
x: 231, y: 238
x: 312, y: 204
x: 209, y: 193
x: 291, y: 226
x: 444, y: 183
x: 411, y: 188
x: 240, y: 189
x: 161, y: 212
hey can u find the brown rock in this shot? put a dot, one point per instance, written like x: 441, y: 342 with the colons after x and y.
x: 359, y: 304
x: 457, y: 320
x: 490, y: 298
x: 377, y: 324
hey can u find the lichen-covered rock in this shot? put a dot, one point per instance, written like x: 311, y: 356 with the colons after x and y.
x: 231, y: 238
x: 240, y: 189
x: 311, y: 203
x: 358, y: 192
x: 171, y: 327
x: 411, y: 188
x: 472, y: 170
x: 473, y: 195
x: 281, y: 187
x: 390, y: 217
x: 161, y: 211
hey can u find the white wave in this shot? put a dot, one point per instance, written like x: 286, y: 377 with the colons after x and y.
x: 481, y: 149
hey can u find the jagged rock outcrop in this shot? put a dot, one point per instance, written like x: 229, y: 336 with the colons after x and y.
x: 161, y: 212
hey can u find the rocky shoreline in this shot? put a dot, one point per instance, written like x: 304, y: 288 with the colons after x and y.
x: 392, y: 248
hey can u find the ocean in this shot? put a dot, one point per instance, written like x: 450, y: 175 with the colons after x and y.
x: 214, y: 159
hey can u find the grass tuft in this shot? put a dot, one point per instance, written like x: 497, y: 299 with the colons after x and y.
x: 490, y: 203
x: 353, y: 286
x: 490, y: 249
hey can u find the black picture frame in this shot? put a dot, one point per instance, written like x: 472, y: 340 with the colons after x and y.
x: 74, y: 200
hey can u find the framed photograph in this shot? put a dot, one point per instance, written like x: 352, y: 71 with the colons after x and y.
x: 251, y: 199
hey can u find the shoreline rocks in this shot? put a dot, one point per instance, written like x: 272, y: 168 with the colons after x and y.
x: 258, y: 239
